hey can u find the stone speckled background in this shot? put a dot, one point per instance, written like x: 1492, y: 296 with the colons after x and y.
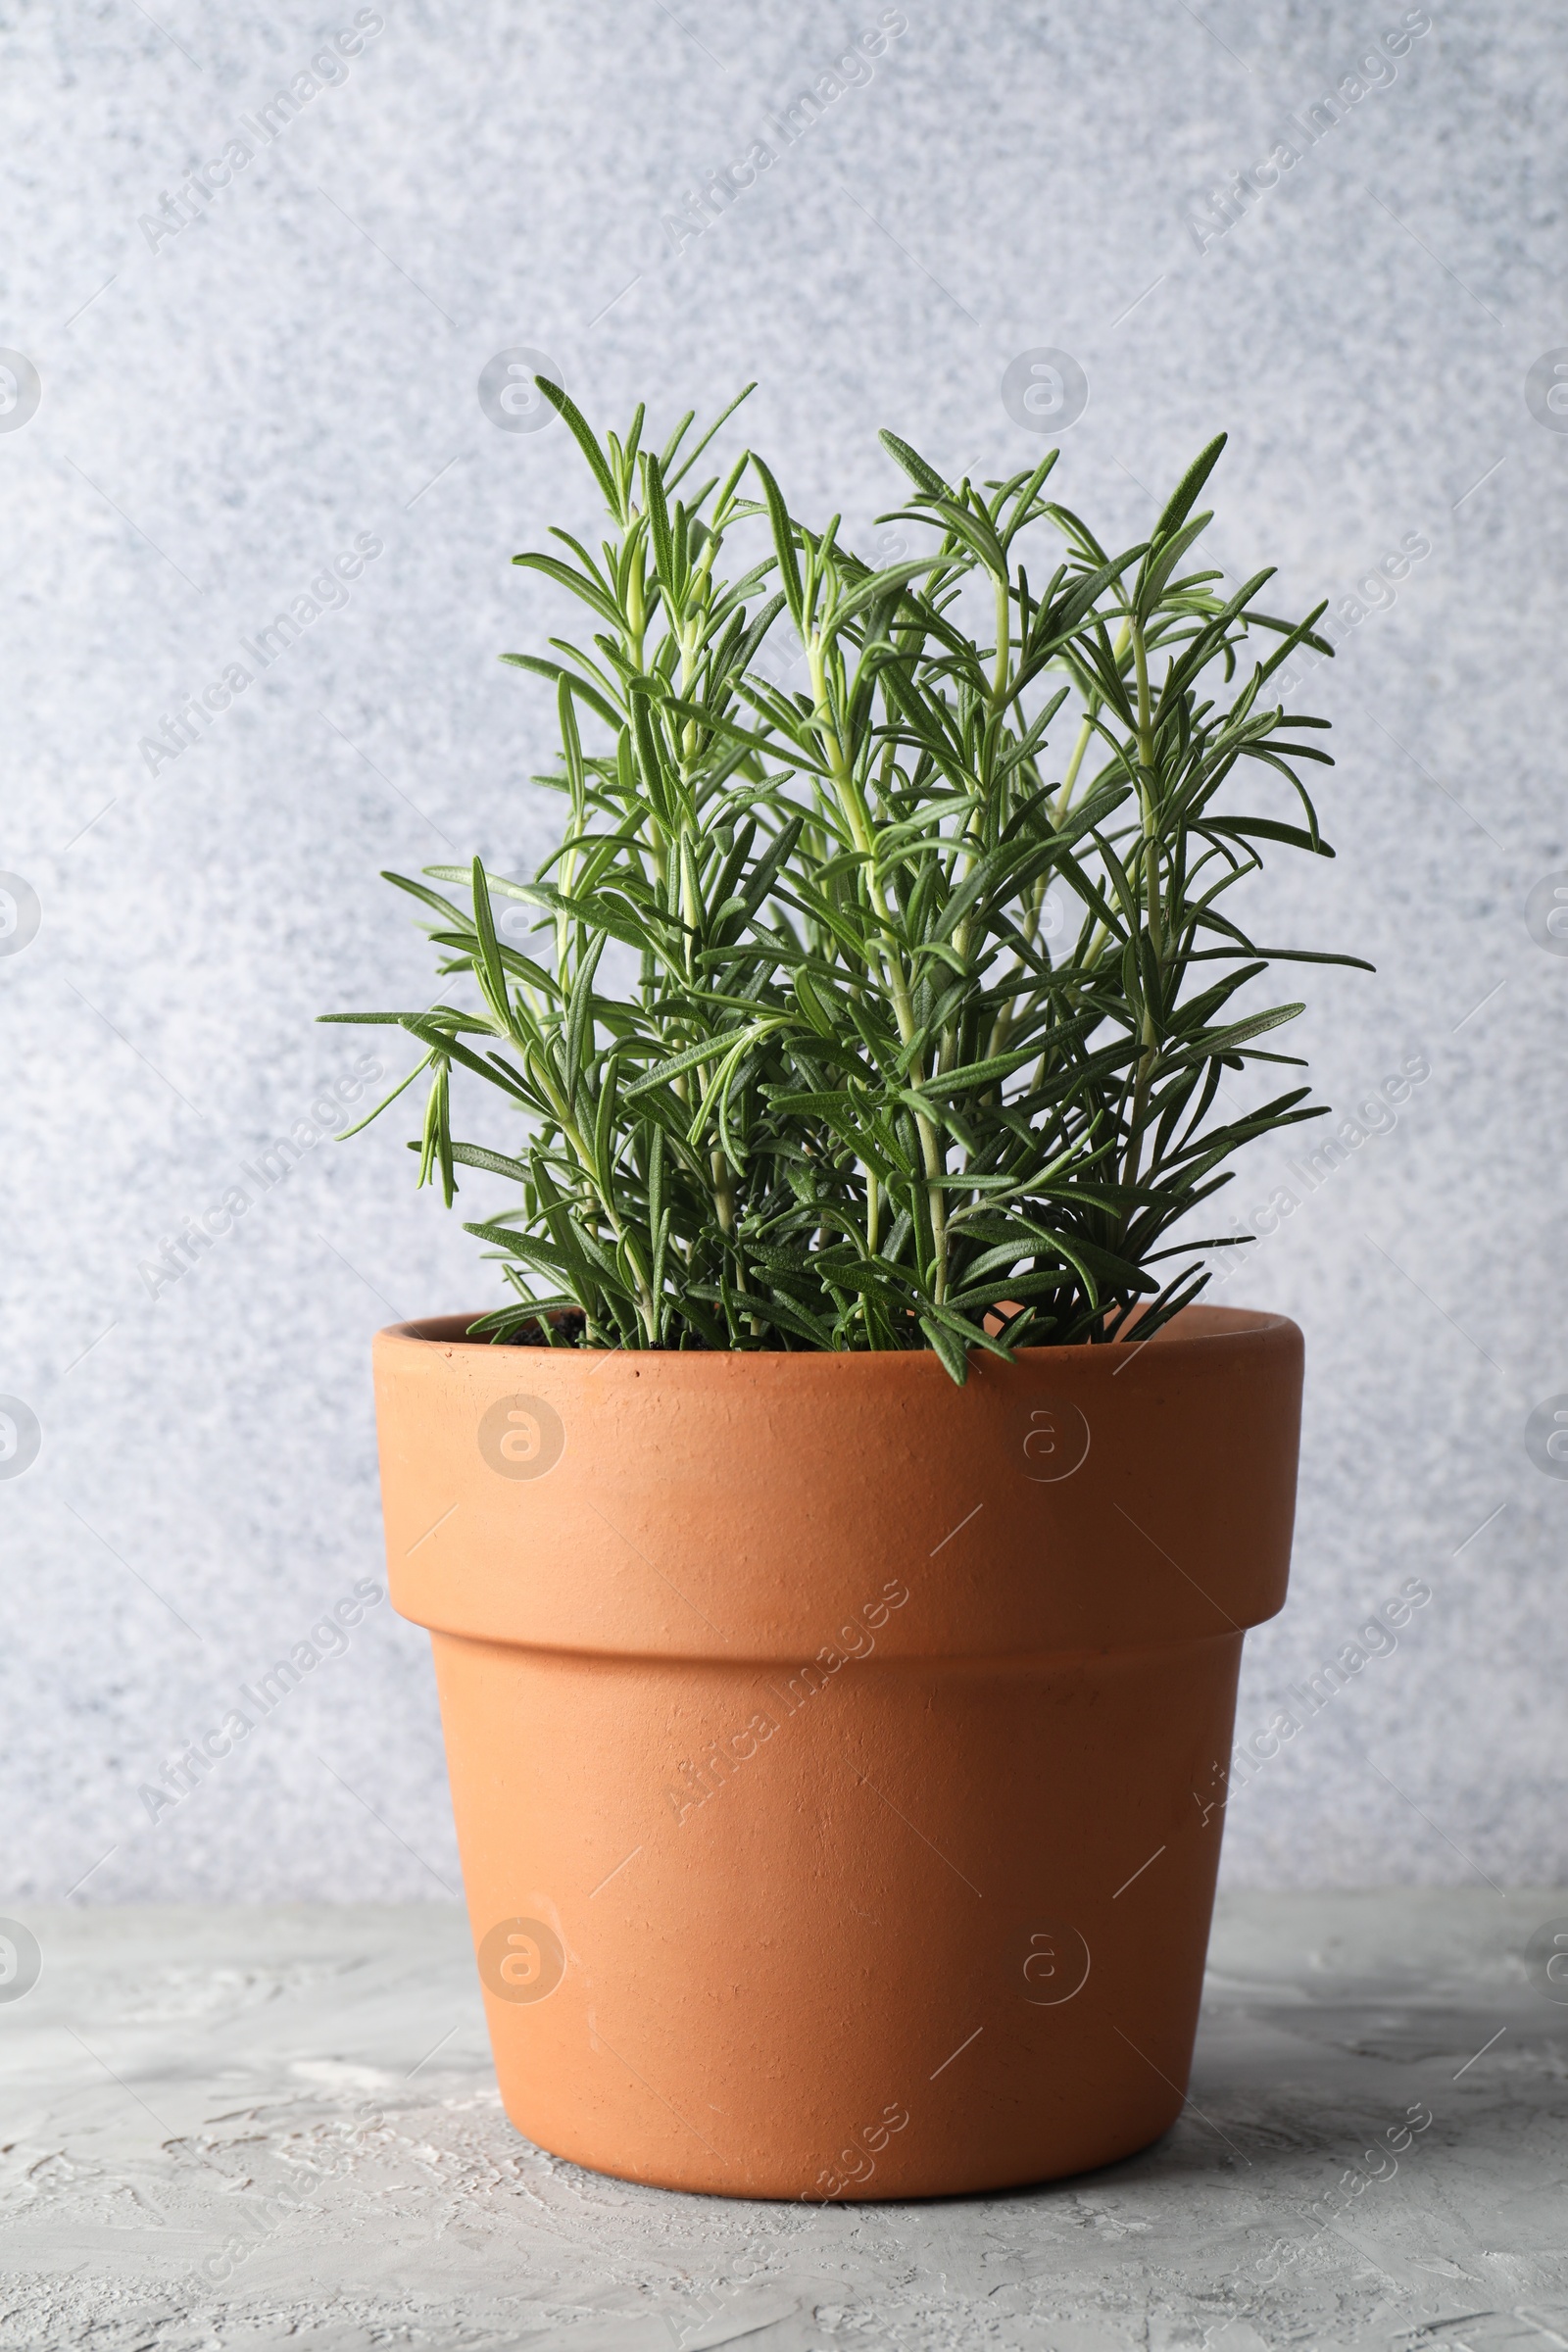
x: 297, y: 369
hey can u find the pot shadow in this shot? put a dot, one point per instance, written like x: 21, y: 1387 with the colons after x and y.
x: 1291, y: 2095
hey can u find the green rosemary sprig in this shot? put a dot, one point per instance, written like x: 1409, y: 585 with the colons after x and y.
x: 921, y: 1050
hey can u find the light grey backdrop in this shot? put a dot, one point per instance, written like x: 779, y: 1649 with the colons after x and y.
x: 228, y: 406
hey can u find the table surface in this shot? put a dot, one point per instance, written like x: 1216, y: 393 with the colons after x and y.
x: 237, y: 2128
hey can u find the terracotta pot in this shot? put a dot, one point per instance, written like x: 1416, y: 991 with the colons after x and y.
x: 839, y: 1757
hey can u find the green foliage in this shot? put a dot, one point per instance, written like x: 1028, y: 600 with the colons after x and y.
x: 921, y: 1048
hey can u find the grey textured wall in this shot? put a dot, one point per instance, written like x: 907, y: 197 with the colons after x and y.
x: 227, y: 406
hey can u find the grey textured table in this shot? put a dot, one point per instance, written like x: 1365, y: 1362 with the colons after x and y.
x: 229, y: 2128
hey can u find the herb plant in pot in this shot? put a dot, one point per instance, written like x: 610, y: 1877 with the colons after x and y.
x: 837, y: 1549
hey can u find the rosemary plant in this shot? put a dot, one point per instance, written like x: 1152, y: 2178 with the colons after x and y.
x: 922, y: 1048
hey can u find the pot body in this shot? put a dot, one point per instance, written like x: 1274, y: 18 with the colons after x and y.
x: 839, y: 1757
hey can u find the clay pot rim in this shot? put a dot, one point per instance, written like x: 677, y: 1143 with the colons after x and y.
x: 1198, y: 1328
